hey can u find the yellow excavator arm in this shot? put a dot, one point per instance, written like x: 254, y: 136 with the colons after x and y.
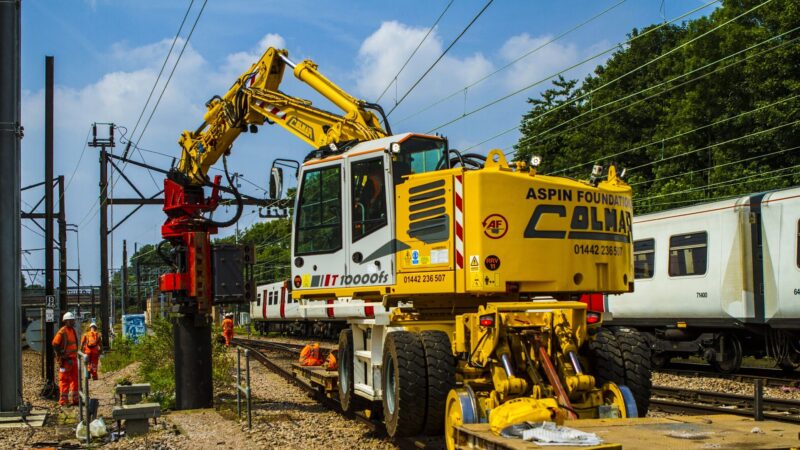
x: 254, y: 99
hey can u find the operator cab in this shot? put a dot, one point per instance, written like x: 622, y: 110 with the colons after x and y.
x: 344, y: 211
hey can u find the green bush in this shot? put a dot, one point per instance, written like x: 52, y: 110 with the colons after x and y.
x: 155, y: 352
x: 120, y: 355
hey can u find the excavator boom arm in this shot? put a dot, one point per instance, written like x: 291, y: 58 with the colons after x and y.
x: 254, y: 99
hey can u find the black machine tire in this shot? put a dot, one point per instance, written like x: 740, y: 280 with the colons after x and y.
x: 638, y: 369
x: 605, y: 358
x: 441, y: 374
x: 347, y: 397
x: 404, y: 384
x: 733, y: 360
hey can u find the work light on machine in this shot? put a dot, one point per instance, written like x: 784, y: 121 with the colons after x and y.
x: 394, y: 147
x: 536, y: 160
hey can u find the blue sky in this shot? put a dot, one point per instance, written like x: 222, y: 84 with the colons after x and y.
x: 108, y: 53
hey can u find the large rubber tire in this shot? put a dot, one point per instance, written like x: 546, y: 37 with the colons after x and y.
x: 605, y: 358
x: 403, y: 382
x: 347, y: 396
x: 441, y: 372
x: 638, y: 370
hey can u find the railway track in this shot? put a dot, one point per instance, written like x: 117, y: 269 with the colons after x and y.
x: 678, y: 400
x: 771, y: 377
x: 258, y: 350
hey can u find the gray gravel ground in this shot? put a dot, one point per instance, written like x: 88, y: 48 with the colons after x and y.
x: 722, y: 385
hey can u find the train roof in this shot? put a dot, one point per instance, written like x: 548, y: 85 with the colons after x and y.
x: 729, y: 203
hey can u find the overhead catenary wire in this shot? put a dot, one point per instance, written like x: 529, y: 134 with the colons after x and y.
x: 716, y: 166
x: 680, y: 155
x: 163, y: 65
x: 475, y: 18
x: 172, y: 72
x: 724, y: 183
x: 677, y: 135
x: 422, y: 41
x: 597, y: 108
x: 514, y: 61
x: 604, y: 85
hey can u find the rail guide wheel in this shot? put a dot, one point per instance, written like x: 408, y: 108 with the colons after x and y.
x: 462, y: 408
x: 731, y: 350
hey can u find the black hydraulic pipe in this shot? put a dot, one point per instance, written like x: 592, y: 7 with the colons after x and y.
x: 193, y: 384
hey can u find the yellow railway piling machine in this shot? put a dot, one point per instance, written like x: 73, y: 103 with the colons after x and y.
x: 480, y: 260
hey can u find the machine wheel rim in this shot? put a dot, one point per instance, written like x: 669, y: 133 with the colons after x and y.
x: 390, y: 386
x: 461, y: 408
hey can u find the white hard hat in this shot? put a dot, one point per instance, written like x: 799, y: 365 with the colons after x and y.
x: 68, y: 316
x: 92, y: 325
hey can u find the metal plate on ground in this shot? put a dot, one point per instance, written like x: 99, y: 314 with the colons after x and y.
x: 35, y: 419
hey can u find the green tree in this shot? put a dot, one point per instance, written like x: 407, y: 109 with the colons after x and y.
x: 688, y: 123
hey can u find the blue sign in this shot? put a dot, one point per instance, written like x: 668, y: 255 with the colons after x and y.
x: 133, y: 326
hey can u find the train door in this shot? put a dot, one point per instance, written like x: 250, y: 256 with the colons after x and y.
x: 319, y: 253
x: 369, y: 235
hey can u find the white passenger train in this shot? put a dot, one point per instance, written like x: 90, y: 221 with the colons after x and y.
x: 275, y: 311
x: 720, y: 280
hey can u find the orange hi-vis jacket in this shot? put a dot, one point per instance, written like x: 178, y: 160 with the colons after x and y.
x: 227, y: 326
x: 91, y: 341
x: 310, y: 355
x: 65, y: 343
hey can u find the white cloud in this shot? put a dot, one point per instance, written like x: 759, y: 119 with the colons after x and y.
x: 118, y: 96
x: 542, y: 63
x: 383, y: 53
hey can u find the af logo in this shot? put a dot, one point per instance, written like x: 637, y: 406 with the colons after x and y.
x: 495, y: 226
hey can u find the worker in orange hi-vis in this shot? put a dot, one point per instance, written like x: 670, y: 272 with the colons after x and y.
x: 92, y: 346
x: 227, y: 329
x: 311, y: 355
x: 65, y: 344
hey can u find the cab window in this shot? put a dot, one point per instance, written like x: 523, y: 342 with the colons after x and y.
x: 643, y: 258
x: 368, y: 197
x: 420, y: 155
x: 319, y: 212
x: 688, y: 254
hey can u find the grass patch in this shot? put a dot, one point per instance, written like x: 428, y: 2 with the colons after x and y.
x: 155, y: 352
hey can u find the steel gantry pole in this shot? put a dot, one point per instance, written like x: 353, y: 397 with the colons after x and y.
x: 62, y: 247
x: 51, y: 318
x: 10, y: 204
x: 104, y: 247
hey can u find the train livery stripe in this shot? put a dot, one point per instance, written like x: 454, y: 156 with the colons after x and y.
x: 264, y: 303
x: 283, y: 302
x: 757, y: 255
x: 459, y: 194
x: 329, y: 310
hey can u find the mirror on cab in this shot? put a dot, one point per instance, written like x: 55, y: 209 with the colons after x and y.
x: 275, y: 183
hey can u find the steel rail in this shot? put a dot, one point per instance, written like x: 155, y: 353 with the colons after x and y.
x: 670, y: 399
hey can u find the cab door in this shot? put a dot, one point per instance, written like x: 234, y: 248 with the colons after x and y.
x: 369, y: 233
x: 319, y: 253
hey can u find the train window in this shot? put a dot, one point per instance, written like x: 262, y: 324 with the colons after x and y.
x: 319, y: 215
x: 368, y: 197
x: 258, y: 299
x: 644, y: 258
x: 688, y: 254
